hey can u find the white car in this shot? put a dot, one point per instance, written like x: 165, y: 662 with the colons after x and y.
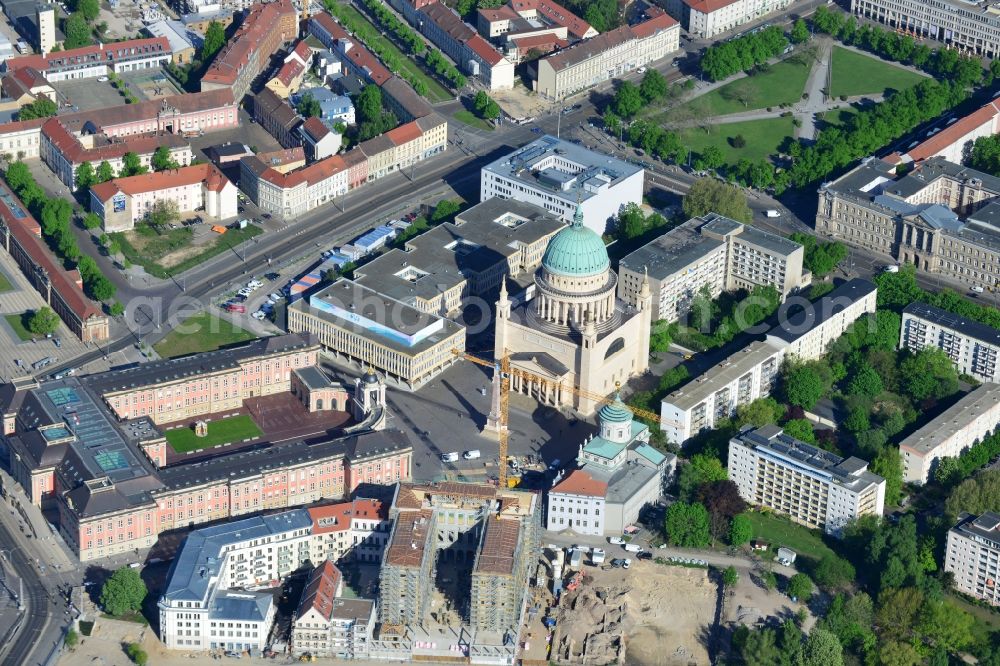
x: 102, y: 79
x: 259, y: 315
x: 626, y: 563
x: 616, y: 541
x: 641, y: 70
x: 245, y: 291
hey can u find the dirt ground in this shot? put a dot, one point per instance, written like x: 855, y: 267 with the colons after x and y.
x: 650, y: 615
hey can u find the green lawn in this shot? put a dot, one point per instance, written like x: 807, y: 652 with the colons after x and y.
x: 471, y: 119
x: 779, y: 531
x: 19, y: 324
x: 5, y: 284
x: 854, y: 73
x: 784, y: 83
x: 435, y: 91
x: 223, y: 431
x: 763, y: 137
x: 143, y: 246
x: 199, y: 333
x: 839, y: 117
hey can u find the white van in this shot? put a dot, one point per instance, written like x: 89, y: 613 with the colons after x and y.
x: 977, y: 289
x: 449, y: 457
x: 770, y: 212
x: 471, y: 455
x: 632, y: 547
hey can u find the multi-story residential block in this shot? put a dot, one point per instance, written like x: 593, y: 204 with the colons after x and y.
x: 953, y: 142
x: 201, y: 17
x: 88, y: 62
x: 966, y: 26
x: 326, y: 624
x: 974, y: 347
x: 973, y: 556
x: 434, y: 271
x: 607, y: 56
x: 617, y: 474
x: 292, y: 72
x: 708, y: 18
x: 813, y: 487
x: 319, y: 141
x: 122, y: 202
x: 561, y: 177
x: 712, y: 251
x: 278, y: 117
x: 807, y: 331
x: 940, y: 216
x: 248, y: 52
x: 358, y: 60
x: 740, y: 379
x: 360, y: 324
x: 21, y: 237
x: 969, y: 421
x: 67, y: 145
x: 22, y: 139
x: 334, y: 108
x: 357, y: 530
x: 522, y: 26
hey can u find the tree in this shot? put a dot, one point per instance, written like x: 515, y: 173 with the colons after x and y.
x: 43, y: 321
x: 710, y: 158
x: 889, y: 465
x: 116, y: 309
x: 132, y: 165
x: 91, y: 221
x: 77, y: 32
x: 215, y: 39
x: 446, y: 208
x: 653, y: 85
x: 105, y: 172
x: 492, y: 110
x: 761, y: 648
x: 71, y: 639
x: 804, y: 384
x: 162, y: 160
x: 743, y: 91
x: 631, y: 222
x: 85, y: 176
x: 309, y: 107
x: 800, y: 32
x: 42, y: 107
x: 730, y: 576
x: 740, y: 530
x: 708, y: 195
x: 687, y: 525
x: 611, y: 121
x: 800, y: 429
x: 833, y: 572
x: 760, y: 412
x: 628, y: 100
x: 928, y: 374
x: 703, y: 468
x: 895, y: 653
x: 123, y: 592
x: 800, y: 586
x: 866, y: 382
x: 136, y: 654
x: 660, y: 337
x: 369, y: 102
x: 18, y: 176
x: 100, y: 288
x: 976, y: 495
x: 163, y: 213
x: 822, y: 648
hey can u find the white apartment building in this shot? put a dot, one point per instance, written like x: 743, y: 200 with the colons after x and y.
x: 708, y: 18
x: 712, y: 251
x: 973, y: 556
x: 974, y: 417
x: 972, y: 26
x: 21, y: 139
x: 329, y: 625
x: 559, y: 175
x: 607, y: 56
x: 577, y: 503
x: 740, y: 379
x: 813, y: 487
x: 972, y: 346
x: 811, y: 328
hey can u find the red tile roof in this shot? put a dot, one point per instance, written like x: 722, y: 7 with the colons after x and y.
x: 555, y: 13
x: 956, y: 131
x: 656, y: 20
x: 21, y: 125
x: 151, y: 182
x: 708, y: 6
x: 303, y: 51
x: 94, y: 54
x: 283, y: 156
x: 327, y: 22
x: 289, y: 71
x: 404, y: 134
x: 71, y: 148
x: 502, y: 13
x: 482, y: 48
x: 525, y: 44
x: 320, y: 591
x: 579, y: 482
x: 315, y: 128
x: 27, y: 232
x: 331, y: 517
x: 256, y: 28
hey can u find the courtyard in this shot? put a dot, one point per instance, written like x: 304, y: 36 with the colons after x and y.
x: 201, y: 332
x: 239, y: 428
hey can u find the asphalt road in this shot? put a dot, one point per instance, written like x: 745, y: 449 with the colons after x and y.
x: 38, y: 608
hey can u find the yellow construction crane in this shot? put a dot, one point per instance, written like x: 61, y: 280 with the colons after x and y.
x: 506, y: 372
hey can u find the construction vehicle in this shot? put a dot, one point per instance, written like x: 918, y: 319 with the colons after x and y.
x: 505, y: 371
x: 574, y: 581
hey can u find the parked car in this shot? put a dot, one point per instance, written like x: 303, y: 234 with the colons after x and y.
x: 449, y: 457
x: 644, y: 555
x: 626, y: 563
x: 632, y: 547
x: 236, y: 307
x: 274, y: 296
x: 641, y: 70
x: 617, y: 563
x: 271, y: 277
x: 259, y: 315
x: 616, y: 541
x: 472, y: 455
x: 57, y: 342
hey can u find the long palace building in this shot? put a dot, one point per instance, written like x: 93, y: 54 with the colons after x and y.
x: 95, y: 447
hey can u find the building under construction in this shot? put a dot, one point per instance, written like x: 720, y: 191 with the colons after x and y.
x: 457, y: 564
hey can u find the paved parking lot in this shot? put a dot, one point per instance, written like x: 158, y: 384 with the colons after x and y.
x: 86, y: 95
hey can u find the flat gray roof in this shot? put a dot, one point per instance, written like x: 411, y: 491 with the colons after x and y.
x: 969, y: 407
x: 720, y: 375
x: 802, y: 321
x: 482, y: 237
x: 531, y: 164
x: 963, y: 325
x: 985, y: 526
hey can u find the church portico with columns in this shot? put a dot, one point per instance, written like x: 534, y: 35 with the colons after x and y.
x: 574, y: 332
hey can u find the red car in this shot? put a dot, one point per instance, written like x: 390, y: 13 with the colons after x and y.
x: 235, y: 307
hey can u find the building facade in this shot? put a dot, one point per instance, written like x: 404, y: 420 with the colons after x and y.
x: 972, y: 346
x: 607, y: 56
x: 807, y: 331
x: 813, y: 487
x: 574, y: 331
x: 972, y: 555
x: 88, y: 62
x: 708, y: 18
x: 327, y: 624
x: 940, y: 216
x: 564, y: 178
x: 972, y: 27
x: 739, y: 380
x: 966, y: 423
x: 714, y: 252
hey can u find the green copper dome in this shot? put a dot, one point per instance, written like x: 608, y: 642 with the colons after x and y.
x: 615, y: 412
x: 576, y: 251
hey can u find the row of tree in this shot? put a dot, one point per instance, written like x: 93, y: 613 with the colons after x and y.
x: 87, y: 175
x: 373, y: 118
x: 389, y: 21
x: 444, y: 69
x: 942, y: 63
x: 743, y: 53
x: 55, y: 216
x: 78, y: 26
x: 897, y: 290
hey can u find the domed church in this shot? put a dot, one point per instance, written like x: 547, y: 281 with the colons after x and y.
x: 574, y: 331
